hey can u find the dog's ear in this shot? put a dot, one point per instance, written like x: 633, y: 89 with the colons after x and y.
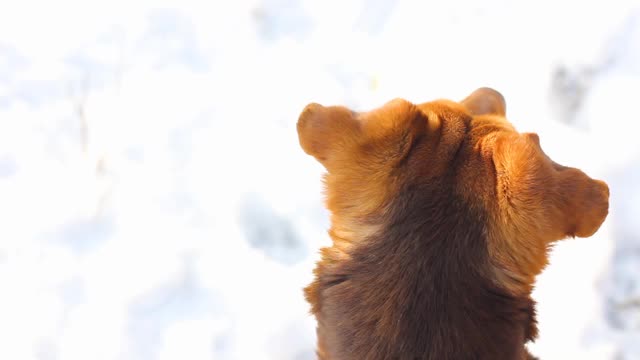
x: 541, y: 197
x: 485, y: 101
x: 324, y: 132
x: 587, y: 202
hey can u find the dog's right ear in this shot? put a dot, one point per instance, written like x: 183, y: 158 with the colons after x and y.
x: 485, y: 101
x: 541, y: 197
x: 324, y: 132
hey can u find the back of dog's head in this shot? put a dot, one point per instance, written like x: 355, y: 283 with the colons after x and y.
x: 531, y: 200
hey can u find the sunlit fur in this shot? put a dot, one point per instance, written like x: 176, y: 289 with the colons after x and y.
x: 441, y: 217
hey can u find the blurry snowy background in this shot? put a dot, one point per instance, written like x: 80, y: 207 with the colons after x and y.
x: 155, y: 203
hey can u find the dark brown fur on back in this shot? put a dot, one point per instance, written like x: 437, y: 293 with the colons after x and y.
x: 420, y: 288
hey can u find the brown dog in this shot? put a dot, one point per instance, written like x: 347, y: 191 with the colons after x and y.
x: 441, y: 217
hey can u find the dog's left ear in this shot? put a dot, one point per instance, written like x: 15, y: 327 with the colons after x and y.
x: 485, y: 101
x: 327, y: 132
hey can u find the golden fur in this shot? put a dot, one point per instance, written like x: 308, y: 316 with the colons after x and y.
x: 431, y: 199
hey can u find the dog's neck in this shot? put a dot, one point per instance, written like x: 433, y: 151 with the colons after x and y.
x: 420, y: 287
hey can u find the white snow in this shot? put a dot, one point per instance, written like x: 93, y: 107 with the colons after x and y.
x: 156, y: 204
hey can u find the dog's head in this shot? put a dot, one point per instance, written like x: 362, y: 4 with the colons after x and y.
x: 531, y: 200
